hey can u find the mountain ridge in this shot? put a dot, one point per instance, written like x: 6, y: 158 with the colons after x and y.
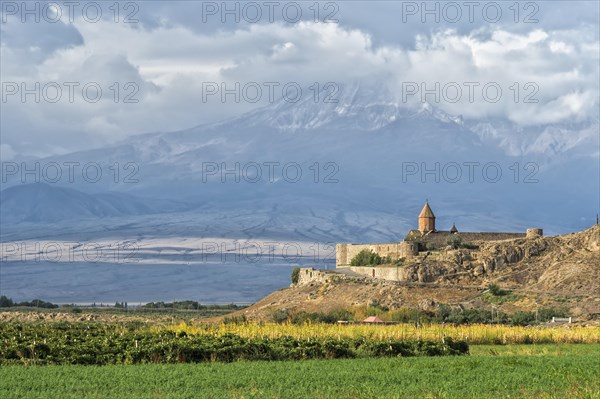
x: 369, y: 160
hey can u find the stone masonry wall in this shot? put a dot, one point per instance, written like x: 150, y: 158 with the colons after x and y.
x: 309, y: 275
x: 393, y: 273
x: 395, y: 250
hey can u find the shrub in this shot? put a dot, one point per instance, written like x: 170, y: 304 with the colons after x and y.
x: 443, y: 312
x: 235, y: 319
x: 366, y: 257
x: 454, y: 241
x: 546, y: 314
x: 375, y: 304
x: 522, y: 318
x: 295, y: 275
x: 332, y: 317
x: 189, y: 305
x: 404, y: 315
x: 430, y: 246
x: 495, y: 290
x: 280, y: 316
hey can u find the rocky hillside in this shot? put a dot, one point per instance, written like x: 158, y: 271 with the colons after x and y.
x: 568, y: 264
x: 561, y: 271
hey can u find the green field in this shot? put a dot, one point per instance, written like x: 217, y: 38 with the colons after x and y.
x: 512, y: 371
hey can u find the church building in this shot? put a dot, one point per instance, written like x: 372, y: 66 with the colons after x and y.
x: 426, y: 238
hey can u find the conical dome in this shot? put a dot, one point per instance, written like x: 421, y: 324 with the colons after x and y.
x: 426, y: 212
x: 426, y: 219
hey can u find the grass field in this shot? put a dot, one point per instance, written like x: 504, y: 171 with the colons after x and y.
x: 522, y: 371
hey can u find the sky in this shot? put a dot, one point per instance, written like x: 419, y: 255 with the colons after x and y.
x: 82, y: 76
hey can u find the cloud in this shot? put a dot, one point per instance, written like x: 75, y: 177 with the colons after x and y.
x: 169, y: 65
x: 539, y: 84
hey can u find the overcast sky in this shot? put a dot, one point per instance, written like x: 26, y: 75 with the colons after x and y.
x: 154, y: 61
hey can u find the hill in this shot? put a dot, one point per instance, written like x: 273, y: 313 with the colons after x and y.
x: 560, y: 271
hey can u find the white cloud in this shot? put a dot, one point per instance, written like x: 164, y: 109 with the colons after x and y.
x: 169, y: 63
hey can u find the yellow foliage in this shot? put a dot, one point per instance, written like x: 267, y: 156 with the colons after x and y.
x: 473, y: 334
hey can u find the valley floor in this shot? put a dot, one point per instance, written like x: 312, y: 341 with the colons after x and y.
x: 492, y: 371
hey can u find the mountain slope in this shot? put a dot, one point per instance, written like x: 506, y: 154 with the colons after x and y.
x: 43, y: 203
x: 355, y: 154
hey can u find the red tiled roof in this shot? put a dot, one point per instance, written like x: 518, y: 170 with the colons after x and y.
x: 373, y: 319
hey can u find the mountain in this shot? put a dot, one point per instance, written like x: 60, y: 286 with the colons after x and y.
x: 43, y: 203
x: 367, y: 152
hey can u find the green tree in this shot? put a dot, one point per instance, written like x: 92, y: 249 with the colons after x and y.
x: 295, y: 275
x: 6, y: 302
x: 366, y: 257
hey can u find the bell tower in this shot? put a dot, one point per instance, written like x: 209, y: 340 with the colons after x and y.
x: 426, y: 219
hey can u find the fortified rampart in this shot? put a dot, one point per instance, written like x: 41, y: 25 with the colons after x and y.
x: 308, y: 275
x: 344, y: 253
x: 395, y: 250
x: 392, y: 273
